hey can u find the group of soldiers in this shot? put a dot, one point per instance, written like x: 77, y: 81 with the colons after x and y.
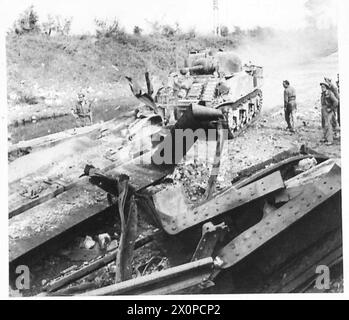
x: 330, y: 109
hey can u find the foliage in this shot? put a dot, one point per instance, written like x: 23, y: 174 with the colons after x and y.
x: 27, y: 22
x: 224, y: 31
x: 137, y: 30
x: 106, y: 29
x: 57, y: 25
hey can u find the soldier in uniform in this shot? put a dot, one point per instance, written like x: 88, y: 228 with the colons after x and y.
x: 329, y: 104
x: 335, y: 91
x: 82, y: 110
x: 290, y: 105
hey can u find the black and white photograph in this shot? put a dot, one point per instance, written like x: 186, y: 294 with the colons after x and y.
x: 172, y: 147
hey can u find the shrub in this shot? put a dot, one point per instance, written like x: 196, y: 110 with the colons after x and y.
x: 137, y: 31
x: 105, y: 29
x: 57, y: 24
x: 224, y: 31
x: 27, y: 22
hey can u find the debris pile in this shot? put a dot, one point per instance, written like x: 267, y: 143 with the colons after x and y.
x: 194, y: 175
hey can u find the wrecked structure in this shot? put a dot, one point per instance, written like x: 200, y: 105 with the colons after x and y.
x: 271, y: 213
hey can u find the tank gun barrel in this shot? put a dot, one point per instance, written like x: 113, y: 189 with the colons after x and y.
x: 205, y: 69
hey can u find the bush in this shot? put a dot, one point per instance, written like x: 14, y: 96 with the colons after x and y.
x: 224, y: 31
x: 27, y: 22
x: 57, y: 24
x: 107, y: 29
x: 137, y: 31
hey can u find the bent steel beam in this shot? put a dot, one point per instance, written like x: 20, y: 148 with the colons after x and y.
x: 176, y: 214
x: 277, y: 221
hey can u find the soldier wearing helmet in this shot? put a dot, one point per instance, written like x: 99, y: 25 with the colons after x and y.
x: 329, y: 104
x: 335, y: 91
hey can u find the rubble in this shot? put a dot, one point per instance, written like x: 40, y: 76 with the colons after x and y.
x: 305, y: 165
x: 88, y: 243
x: 104, y: 240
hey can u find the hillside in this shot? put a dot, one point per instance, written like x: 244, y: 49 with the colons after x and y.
x: 47, y: 72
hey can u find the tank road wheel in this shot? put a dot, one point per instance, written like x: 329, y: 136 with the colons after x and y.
x: 238, y: 117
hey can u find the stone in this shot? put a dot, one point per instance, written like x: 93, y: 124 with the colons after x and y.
x: 112, y: 245
x: 88, y: 243
x: 103, y: 240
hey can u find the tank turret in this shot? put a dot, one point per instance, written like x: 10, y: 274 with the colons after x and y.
x: 216, y: 80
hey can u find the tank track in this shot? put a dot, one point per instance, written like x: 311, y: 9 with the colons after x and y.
x: 241, y: 114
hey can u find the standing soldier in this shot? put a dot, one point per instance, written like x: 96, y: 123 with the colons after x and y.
x: 329, y: 104
x: 82, y: 110
x: 335, y: 91
x: 290, y: 105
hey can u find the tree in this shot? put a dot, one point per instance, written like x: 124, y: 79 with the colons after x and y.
x: 108, y: 29
x: 224, y: 31
x: 27, y: 22
x: 56, y: 24
x: 169, y: 31
x: 137, y: 30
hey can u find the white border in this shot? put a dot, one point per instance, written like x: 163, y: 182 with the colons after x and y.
x: 343, y: 67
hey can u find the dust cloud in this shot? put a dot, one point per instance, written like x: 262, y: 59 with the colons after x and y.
x: 302, y: 56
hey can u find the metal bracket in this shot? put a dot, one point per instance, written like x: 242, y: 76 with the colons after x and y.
x: 211, y: 234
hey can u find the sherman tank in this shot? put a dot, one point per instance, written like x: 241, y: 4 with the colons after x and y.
x: 216, y: 80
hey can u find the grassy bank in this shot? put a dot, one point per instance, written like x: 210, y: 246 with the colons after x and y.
x: 50, y: 70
